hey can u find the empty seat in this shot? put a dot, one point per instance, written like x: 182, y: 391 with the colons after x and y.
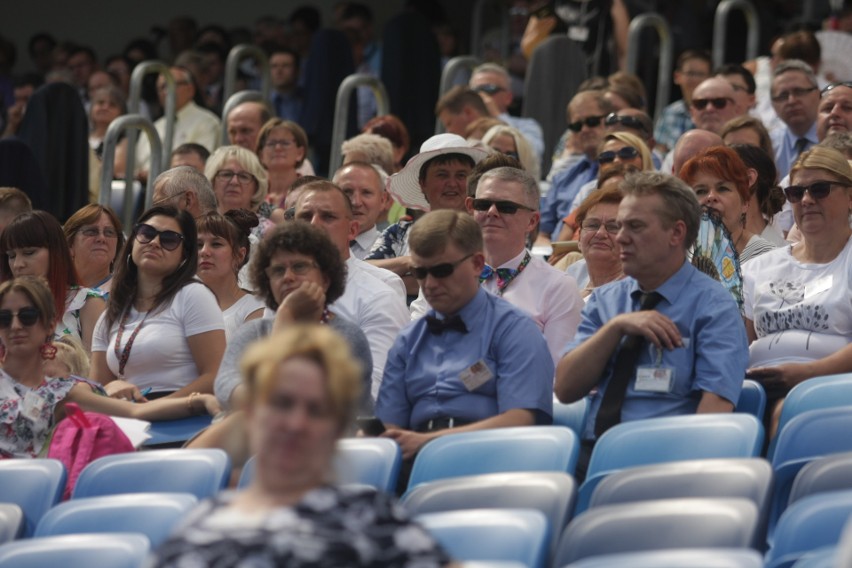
x: 694, y: 558
x: 34, y: 485
x: 571, y: 415
x: 11, y: 522
x: 830, y: 473
x: 115, y: 550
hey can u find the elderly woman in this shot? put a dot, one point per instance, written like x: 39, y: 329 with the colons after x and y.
x: 720, y: 180
x: 508, y: 140
x: 796, y: 298
x: 95, y: 238
x: 240, y: 182
x: 281, y: 147
x: 598, y: 226
x: 301, y: 388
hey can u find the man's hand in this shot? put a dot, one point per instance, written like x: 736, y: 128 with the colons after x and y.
x: 781, y: 377
x: 409, y: 441
x: 304, y: 304
x: 652, y: 325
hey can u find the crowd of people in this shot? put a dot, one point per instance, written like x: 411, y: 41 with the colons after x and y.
x: 439, y: 284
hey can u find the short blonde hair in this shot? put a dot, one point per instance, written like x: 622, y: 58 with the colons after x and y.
x: 526, y: 154
x: 70, y: 352
x: 249, y: 162
x: 823, y: 158
x: 317, y: 343
x: 631, y: 140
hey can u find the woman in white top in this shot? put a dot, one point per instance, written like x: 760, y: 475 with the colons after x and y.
x: 223, y: 249
x: 797, y: 298
x: 162, y: 329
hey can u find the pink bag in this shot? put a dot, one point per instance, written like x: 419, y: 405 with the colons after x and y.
x: 83, y: 437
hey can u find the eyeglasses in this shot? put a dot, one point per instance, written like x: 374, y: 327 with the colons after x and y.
x: 169, y: 240
x: 489, y: 88
x: 276, y: 143
x: 512, y: 155
x: 797, y: 93
x: 718, y: 103
x: 591, y: 122
x: 594, y: 225
x: 846, y: 84
x: 439, y: 270
x: 243, y: 178
x: 626, y: 153
x: 299, y: 268
x: 93, y: 232
x: 503, y: 207
x: 27, y: 316
x: 629, y: 121
x: 817, y: 190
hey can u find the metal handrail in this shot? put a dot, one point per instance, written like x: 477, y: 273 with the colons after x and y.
x: 341, y: 111
x: 720, y: 29
x: 476, y: 32
x: 450, y: 69
x: 116, y: 127
x: 136, y: 78
x: 234, y: 100
x: 232, y: 64
x: 664, y: 68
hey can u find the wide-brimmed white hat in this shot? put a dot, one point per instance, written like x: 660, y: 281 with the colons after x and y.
x: 405, y: 184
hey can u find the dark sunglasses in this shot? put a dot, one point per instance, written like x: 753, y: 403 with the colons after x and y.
x: 439, y: 270
x: 27, y: 317
x: 626, y: 153
x: 169, y: 240
x: 591, y: 122
x: 503, y: 207
x: 718, y: 103
x: 817, y: 190
x: 629, y: 121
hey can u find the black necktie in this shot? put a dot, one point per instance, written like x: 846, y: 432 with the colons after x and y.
x: 624, y: 368
x: 438, y: 326
x: 801, y: 143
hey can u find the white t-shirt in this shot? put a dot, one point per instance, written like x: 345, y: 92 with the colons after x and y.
x: 236, y: 315
x: 801, y: 312
x: 160, y: 357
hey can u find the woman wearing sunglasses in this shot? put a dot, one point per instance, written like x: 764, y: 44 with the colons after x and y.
x: 796, y: 298
x: 721, y: 181
x: 223, y: 249
x: 30, y: 402
x: 162, y: 329
x: 508, y: 140
x: 95, y: 237
x: 33, y: 244
x: 240, y: 182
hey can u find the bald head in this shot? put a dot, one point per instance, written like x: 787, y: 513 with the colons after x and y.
x: 690, y: 144
x: 713, y: 104
x: 244, y: 123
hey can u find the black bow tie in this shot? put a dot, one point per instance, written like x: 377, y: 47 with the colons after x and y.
x: 437, y: 326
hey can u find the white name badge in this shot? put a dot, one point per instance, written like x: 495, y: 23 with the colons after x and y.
x: 578, y: 33
x: 476, y: 375
x: 654, y: 379
x: 818, y: 286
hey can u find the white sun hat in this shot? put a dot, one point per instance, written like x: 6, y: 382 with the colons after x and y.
x: 405, y: 184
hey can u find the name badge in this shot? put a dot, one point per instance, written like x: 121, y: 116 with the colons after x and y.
x: 578, y: 33
x: 818, y: 287
x: 476, y: 375
x: 654, y: 379
x: 31, y: 406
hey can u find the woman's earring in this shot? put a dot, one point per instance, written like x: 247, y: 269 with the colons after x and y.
x: 48, y: 350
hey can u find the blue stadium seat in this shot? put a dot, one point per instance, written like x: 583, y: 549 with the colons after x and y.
x: 11, y: 522
x: 692, y: 557
x: 571, y: 415
x: 830, y: 473
x: 34, y: 485
x: 752, y: 399
x: 115, y: 550
x: 825, y: 557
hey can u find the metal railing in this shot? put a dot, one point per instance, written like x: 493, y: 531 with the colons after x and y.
x: 232, y: 64
x: 341, y: 111
x: 116, y: 127
x: 453, y: 66
x: 664, y: 68
x: 136, y: 78
x: 720, y: 29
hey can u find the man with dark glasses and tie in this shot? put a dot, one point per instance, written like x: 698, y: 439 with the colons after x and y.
x: 474, y: 361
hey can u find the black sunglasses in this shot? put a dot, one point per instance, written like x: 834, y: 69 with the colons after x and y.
x: 817, y: 190
x: 439, y: 270
x: 169, y: 240
x: 626, y: 153
x: 591, y: 122
x: 629, y: 121
x: 27, y: 317
x: 503, y: 207
x: 717, y: 102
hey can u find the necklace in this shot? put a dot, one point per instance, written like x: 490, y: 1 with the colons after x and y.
x: 124, y: 354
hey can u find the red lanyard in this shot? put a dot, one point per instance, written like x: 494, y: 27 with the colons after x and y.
x: 124, y: 354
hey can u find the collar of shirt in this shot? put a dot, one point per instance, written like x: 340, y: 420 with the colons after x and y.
x: 491, y: 283
x: 366, y: 239
x: 790, y: 139
x: 671, y: 289
x: 469, y: 311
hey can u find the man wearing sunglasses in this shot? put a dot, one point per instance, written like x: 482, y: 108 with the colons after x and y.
x: 795, y: 98
x: 713, y: 104
x: 474, y: 361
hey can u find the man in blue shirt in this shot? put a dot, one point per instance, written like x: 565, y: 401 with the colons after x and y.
x: 690, y: 351
x: 795, y: 98
x: 474, y: 361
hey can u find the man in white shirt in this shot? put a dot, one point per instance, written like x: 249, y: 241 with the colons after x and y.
x: 364, y: 184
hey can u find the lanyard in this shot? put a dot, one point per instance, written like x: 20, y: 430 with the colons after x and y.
x: 124, y: 354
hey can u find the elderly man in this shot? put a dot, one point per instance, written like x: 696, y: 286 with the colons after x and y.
x: 492, y: 83
x: 665, y: 340
x: 795, y: 98
x: 245, y: 121
x: 364, y: 184
x: 186, y: 188
x: 475, y: 361
x: 192, y: 123
x: 713, y: 104
x: 835, y: 110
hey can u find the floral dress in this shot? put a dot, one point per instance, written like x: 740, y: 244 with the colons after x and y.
x: 330, y: 526
x: 70, y: 322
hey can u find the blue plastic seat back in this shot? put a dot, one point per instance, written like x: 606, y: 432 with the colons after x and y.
x: 814, y: 394
x: 571, y: 415
x: 551, y: 493
x: 525, y: 448
x: 520, y: 535
x: 829, y: 473
x: 811, y: 523
x: 825, y: 557
x: 692, y: 557
x: 202, y: 472
x: 116, y: 550
x: 668, y: 439
x: 656, y: 525
x: 152, y: 514
x: 752, y: 399
x: 34, y: 485
x: 11, y: 522
x: 808, y: 436
x: 368, y: 461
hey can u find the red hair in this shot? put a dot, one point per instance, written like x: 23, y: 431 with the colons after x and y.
x: 721, y: 162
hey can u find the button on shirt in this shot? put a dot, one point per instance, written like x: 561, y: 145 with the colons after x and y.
x: 714, y: 356
x: 421, y: 379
